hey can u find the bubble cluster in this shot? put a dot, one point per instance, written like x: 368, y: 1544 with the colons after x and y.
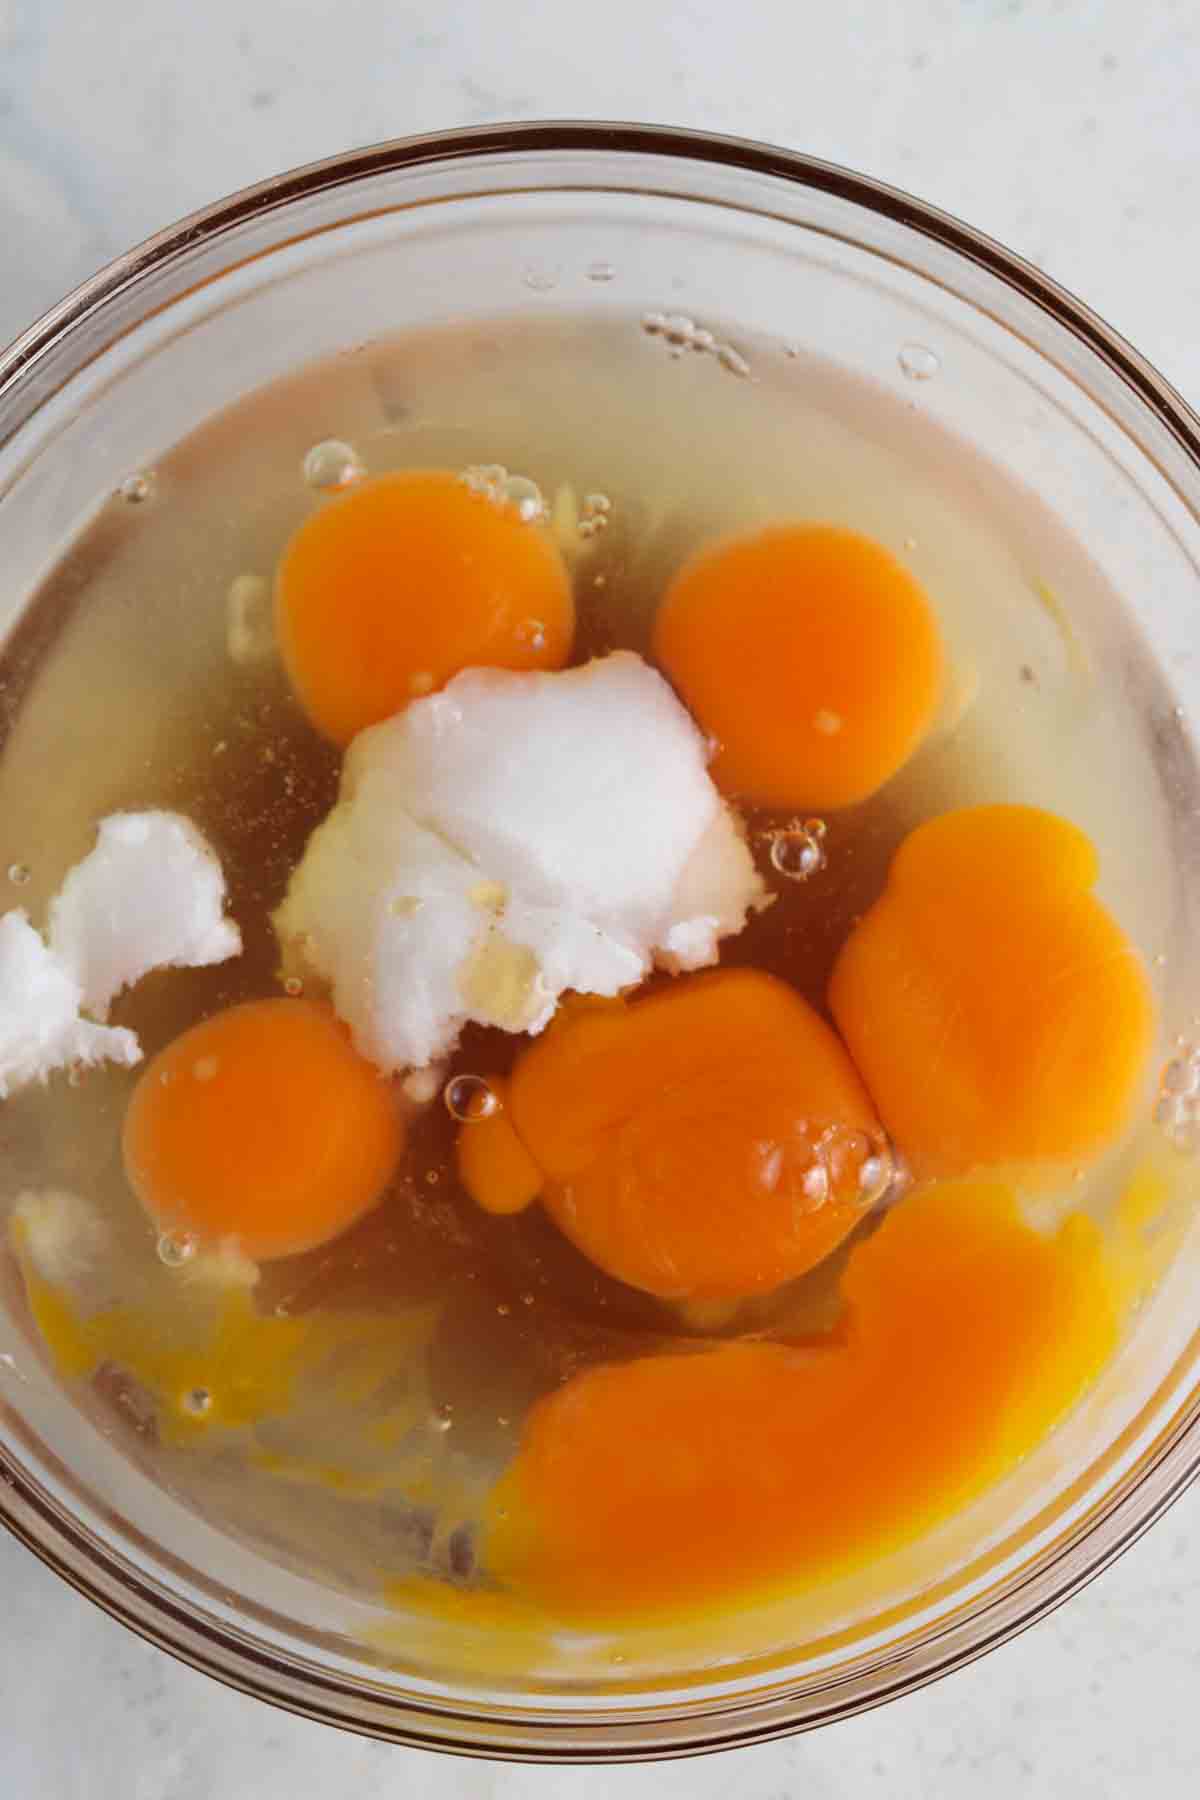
x: 1177, y: 1109
x: 594, y: 514
x: 332, y: 465
x: 918, y: 362
x: 492, y: 481
x: 680, y: 333
x: 469, y: 1099
x: 798, y: 850
x: 136, y: 488
x: 175, y: 1248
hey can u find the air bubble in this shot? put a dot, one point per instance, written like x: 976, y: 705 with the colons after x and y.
x: 1177, y: 1109
x: 594, y: 514
x: 540, y: 278
x: 524, y: 497
x: 75, y: 1076
x: 484, y: 478
x: 176, y: 1248
x: 205, y: 1068
x: 492, y: 481
x: 469, y: 1099
x: 197, y: 1401
x: 293, y: 986
x: 332, y: 465
x: 876, y: 1173
x: 1181, y: 1075
x: 816, y: 1184
x: 918, y: 362
x: 733, y: 360
x: 19, y: 873
x: 527, y: 1299
x: 135, y: 489
x: 798, y: 853
x: 533, y: 633
x: 504, y: 1309
x: 601, y: 271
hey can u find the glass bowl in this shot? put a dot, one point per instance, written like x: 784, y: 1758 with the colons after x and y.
x: 782, y: 249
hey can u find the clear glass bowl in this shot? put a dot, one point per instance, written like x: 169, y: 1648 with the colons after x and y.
x: 586, y: 217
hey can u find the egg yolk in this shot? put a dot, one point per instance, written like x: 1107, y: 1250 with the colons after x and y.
x: 389, y: 590
x: 493, y: 1164
x: 707, y: 1142
x: 263, y: 1125
x: 676, y: 1479
x: 996, y: 1010
x: 810, y: 655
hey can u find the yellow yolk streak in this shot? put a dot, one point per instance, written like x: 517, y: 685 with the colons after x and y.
x: 676, y: 1480
x: 215, y: 1369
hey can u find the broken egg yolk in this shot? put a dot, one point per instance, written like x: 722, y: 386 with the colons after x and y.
x: 810, y: 655
x: 264, y: 1126
x: 675, y: 1480
x: 995, y: 1009
x: 389, y: 590
x: 708, y: 1142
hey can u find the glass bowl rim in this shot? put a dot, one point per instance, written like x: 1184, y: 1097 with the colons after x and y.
x: 107, y: 1578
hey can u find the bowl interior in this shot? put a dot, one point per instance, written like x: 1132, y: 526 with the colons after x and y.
x: 775, y: 256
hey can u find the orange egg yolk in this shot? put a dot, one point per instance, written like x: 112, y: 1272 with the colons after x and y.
x: 679, y: 1479
x: 493, y: 1164
x: 995, y: 1009
x: 262, y: 1125
x: 389, y: 590
x: 810, y: 655
x: 707, y: 1142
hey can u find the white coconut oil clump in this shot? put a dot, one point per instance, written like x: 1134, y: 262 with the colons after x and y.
x: 40, y: 1025
x: 506, y: 840
x: 150, y: 895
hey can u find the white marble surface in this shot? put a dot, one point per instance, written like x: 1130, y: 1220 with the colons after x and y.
x: 1069, y: 129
